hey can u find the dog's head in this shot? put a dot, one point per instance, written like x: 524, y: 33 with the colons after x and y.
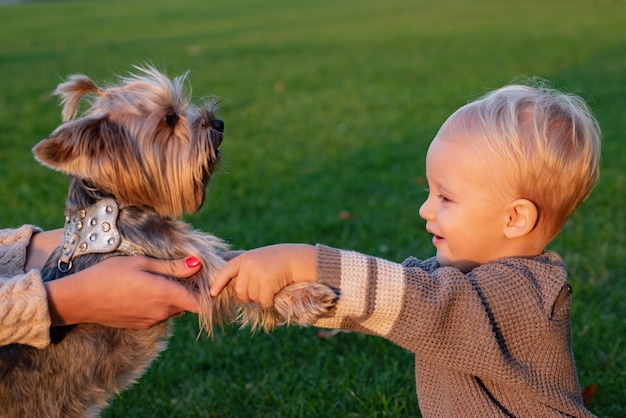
x: 141, y: 141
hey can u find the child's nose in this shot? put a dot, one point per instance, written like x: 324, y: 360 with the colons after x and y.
x: 426, y: 211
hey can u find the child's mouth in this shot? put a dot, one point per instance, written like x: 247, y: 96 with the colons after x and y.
x: 437, y: 240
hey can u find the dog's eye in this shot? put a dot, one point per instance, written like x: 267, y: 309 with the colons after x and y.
x: 218, y: 125
x: 171, y: 118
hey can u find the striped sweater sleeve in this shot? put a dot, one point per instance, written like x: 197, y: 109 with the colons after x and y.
x: 366, y: 304
x: 24, y: 315
x: 476, y: 321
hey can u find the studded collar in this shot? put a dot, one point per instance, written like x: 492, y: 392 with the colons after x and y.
x: 93, y: 230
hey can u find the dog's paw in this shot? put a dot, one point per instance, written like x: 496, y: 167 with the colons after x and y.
x: 304, y: 303
x: 298, y: 304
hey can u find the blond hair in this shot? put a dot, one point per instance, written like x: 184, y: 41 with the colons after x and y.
x: 548, y: 140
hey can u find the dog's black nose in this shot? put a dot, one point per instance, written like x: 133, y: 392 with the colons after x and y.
x: 218, y: 125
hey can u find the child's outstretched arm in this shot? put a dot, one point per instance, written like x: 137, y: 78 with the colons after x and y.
x: 261, y: 273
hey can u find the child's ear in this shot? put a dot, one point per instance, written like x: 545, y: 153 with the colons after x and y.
x: 522, y: 218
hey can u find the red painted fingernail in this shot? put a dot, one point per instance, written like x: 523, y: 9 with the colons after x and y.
x: 192, y: 262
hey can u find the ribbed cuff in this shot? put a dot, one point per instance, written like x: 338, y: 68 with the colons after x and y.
x: 13, y: 247
x: 24, y: 315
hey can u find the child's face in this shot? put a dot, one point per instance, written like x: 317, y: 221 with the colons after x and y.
x: 463, y: 211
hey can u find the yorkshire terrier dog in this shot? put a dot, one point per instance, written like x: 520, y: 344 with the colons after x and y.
x: 139, y: 157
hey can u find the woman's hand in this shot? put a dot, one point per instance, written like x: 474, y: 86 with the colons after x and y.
x: 123, y: 292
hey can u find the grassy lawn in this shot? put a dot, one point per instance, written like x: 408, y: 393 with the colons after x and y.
x: 329, y: 107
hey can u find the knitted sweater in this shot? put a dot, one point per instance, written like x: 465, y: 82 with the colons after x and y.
x: 24, y: 316
x: 489, y: 343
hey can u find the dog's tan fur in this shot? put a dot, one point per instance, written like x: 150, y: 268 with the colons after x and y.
x: 143, y: 144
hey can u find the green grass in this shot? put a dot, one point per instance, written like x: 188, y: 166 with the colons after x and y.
x: 329, y: 106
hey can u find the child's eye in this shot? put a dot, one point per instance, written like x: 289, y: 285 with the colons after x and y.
x: 441, y: 197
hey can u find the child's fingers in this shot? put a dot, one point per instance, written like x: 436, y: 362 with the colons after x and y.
x: 245, y: 292
x: 266, y: 297
x: 224, y: 276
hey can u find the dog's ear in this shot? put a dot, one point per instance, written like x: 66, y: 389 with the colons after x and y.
x: 72, y: 91
x: 71, y: 146
x: 97, y: 150
x: 65, y: 149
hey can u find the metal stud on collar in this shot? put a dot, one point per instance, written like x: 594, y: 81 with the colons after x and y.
x: 89, y: 231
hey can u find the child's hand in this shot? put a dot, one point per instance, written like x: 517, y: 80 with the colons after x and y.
x: 261, y: 273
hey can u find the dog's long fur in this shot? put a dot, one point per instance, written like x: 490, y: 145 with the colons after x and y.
x: 144, y: 145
